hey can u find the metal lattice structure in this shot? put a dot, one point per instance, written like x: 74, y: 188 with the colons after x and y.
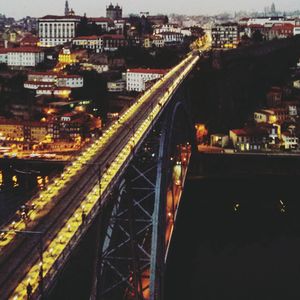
x: 132, y: 260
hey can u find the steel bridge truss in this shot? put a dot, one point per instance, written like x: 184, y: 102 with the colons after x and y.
x: 132, y: 260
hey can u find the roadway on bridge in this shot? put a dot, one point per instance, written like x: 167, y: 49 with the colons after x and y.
x: 58, y: 211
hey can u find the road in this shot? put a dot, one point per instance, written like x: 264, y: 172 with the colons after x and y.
x: 58, y: 210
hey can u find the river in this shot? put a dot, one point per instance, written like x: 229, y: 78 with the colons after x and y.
x: 18, y: 184
x: 237, y: 238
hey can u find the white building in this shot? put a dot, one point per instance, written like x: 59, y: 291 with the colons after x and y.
x: 116, y: 86
x: 171, y: 38
x: 88, y: 42
x: 37, y: 80
x: 136, y: 78
x: 3, y: 56
x: 169, y: 27
x: 22, y: 57
x: 99, y: 68
x: 72, y: 81
x: 62, y: 92
x: 270, y: 20
x: 296, y: 30
x: 120, y: 26
x: 42, y: 76
x: 34, y: 85
x: 57, y: 30
x: 290, y: 141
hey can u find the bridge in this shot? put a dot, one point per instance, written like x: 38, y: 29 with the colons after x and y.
x: 131, y: 179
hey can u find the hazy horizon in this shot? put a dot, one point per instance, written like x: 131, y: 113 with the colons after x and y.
x: 33, y: 8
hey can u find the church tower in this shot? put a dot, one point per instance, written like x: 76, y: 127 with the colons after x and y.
x: 67, y: 10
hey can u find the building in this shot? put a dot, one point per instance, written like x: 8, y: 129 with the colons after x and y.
x: 20, y: 131
x: 3, y: 56
x: 76, y: 124
x: 88, y: 42
x: 119, y: 26
x: 269, y: 20
x: 273, y: 130
x: 11, y: 130
x: 29, y: 41
x: 154, y: 41
x: 249, y: 139
x: 49, y: 79
x: 117, y: 86
x: 296, y: 30
x: 225, y: 35
x: 289, y: 140
x: 106, y: 24
x: 296, y: 83
x: 55, y: 91
x: 57, y: 30
x: 169, y: 27
x: 34, y: 85
x: 53, y: 84
x: 35, y: 131
x: 42, y: 76
x: 136, y: 79
x: 111, y: 42
x: 219, y: 140
x: 170, y: 38
x: 66, y: 56
x: 271, y: 115
x: 71, y: 81
x: 22, y: 57
x: 68, y: 127
x: 281, y: 31
x: 99, y: 68
x: 114, y: 12
x: 158, y: 19
x: 274, y: 97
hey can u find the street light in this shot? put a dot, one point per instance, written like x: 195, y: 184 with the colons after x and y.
x: 40, y: 233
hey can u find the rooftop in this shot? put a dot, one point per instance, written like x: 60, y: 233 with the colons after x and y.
x: 113, y: 36
x: 254, y: 131
x: 54, y: 17
x: 87, y: 37
x: 147, y: 71
x: 23, y: 50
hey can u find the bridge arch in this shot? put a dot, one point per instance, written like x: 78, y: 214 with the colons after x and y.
x: 133, y: 253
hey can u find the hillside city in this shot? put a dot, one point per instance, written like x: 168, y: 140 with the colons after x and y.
x: 137, y: 150
x: 63, y: 78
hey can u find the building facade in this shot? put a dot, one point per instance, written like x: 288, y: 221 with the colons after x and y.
x: 88, y: 42
x: 57, y: 30
x: 225, y: 35
x: 116, y: 86
x: 136, y: 79
x: 22, y: 57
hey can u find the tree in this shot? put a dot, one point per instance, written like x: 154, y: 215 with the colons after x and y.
x: 257, y: 36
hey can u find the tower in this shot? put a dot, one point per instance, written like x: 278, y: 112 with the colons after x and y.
x: 114, y: 12
x: 273, y: 9
x: 67, y: 10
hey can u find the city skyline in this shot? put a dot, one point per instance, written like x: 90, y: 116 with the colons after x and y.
x: 97, y: 8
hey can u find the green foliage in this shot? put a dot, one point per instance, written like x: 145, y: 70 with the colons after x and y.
x: 95, y: 89
x: 150, y: 58
x: 86, y: 28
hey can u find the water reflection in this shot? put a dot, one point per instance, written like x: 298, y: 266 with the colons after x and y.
x: 17, y: 185
x: 241, y: 230
x: 25, y: 180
